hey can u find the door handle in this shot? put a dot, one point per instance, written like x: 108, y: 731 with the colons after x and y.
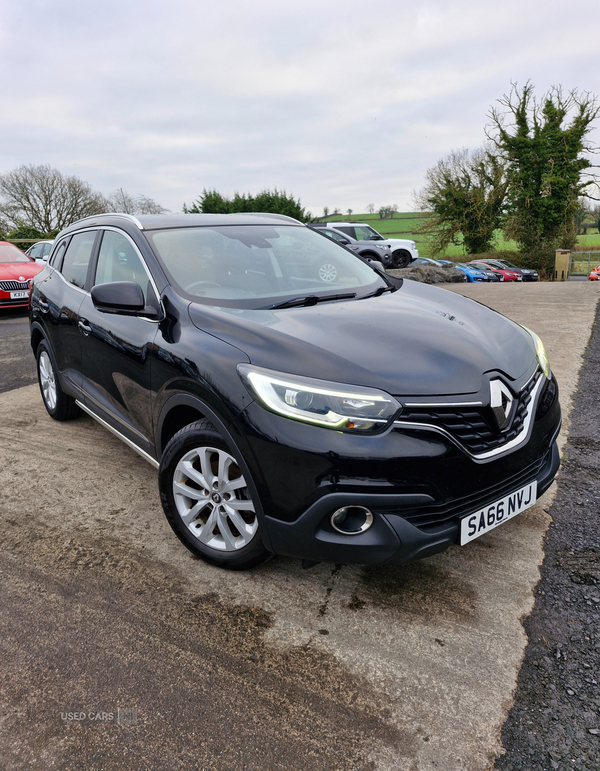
x: 84, y: 327
x: 44, y: 306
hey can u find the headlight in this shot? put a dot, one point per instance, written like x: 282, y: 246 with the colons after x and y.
x: 332, y: 405
x: 540, y: 352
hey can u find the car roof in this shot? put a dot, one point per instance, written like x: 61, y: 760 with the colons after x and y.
x: 165, y: 221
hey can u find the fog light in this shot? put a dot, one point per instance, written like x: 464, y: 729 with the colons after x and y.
x: 351, y: 520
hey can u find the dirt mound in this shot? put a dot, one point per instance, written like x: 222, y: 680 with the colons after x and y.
x: 431, y: 274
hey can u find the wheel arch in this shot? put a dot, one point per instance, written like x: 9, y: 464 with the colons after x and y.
x: 181, y: 406
x: 36, y: 337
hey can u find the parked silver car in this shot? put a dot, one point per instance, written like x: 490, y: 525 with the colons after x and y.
x: 403, y: 251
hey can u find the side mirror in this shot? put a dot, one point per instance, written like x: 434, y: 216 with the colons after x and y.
x: 124, y: 297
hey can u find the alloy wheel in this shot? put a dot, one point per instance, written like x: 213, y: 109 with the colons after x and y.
x: 213, y: 500
x: 47, y: 380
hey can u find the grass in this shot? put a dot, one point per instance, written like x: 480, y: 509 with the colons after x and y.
x: 405, y: 225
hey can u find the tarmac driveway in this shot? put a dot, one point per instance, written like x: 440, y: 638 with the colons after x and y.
x: 339, y: 667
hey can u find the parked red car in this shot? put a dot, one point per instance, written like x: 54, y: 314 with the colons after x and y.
x: 595, y: 274
x: 16, y: 272
x: 509, y: 275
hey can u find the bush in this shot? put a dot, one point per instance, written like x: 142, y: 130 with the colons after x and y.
x: 273, y: 202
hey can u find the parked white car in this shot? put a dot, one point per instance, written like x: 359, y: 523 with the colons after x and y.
x: 403, y: 251
x: 40, y: 251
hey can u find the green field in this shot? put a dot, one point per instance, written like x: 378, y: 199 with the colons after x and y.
x: 405, y: 225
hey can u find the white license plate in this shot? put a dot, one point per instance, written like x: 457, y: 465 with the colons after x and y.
x: 497, y: 513
x: 19, y: 295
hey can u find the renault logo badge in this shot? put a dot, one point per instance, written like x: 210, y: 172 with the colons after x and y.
x: 501, y: 403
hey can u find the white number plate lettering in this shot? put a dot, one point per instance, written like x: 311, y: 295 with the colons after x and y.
x: 19, y: 295
x: 497, y: 513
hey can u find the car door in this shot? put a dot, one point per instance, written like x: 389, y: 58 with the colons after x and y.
x: 58, y: 300
x: 116, y: 348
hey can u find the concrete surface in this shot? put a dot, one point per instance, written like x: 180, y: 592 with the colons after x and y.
x: 338, y: 667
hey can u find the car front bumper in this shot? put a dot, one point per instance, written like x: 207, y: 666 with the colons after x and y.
x: 394, y: 537
x: 417, y: 484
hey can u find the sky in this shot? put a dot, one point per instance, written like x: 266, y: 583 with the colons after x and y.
x: 339, y: 103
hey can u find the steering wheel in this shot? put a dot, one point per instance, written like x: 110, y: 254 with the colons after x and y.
x: 202, y: 283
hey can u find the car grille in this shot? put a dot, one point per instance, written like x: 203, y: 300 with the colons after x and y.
x: 473, y: 427
x: 438, y: 514
x: 12, y: 286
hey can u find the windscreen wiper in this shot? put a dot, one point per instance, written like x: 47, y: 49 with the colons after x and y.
x: 380, y: 290
x: 312, y: 299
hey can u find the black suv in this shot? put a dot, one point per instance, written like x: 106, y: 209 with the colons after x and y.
x: 358, y: 418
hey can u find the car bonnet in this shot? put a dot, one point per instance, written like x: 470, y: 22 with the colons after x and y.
x: 419, y: 340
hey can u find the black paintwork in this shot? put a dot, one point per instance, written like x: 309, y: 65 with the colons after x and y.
x: 147, y: 377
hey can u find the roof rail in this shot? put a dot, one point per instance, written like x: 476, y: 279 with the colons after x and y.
x: 129, y: 217
x: 268, y: 214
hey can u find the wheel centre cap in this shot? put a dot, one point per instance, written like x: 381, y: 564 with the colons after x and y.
x: 216, y: 498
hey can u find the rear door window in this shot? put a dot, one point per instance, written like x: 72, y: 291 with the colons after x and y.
x: 56, y: 259
x: 77, y: 258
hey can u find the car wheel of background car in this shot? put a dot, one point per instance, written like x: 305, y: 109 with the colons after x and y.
x: 400, y: 258
x: 59, y: 405
x: 328, y: 272
x: 207, y: 501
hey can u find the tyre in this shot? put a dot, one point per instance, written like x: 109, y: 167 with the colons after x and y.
x: 58, y: 404
x: 207, y: 500
x: 401, y: 258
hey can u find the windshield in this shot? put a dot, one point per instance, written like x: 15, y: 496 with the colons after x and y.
x: 258, y: 266
x: 507, y: 264
x: 10, y: 253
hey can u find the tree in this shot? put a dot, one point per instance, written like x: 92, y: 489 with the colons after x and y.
x: 349, y: 212
x: 580, y: 215
x: 123, y: 202
x: 272, y: 201
x: 465, y: 192
x: 371, y: 208
x: 42, y: 198
x: 595, y: 216
x: 544, y: 146
x: 326, y: 211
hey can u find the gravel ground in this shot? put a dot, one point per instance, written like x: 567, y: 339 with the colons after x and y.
x: 17, y: 365
x: 555, y: 720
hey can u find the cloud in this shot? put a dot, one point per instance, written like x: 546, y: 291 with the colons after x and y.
x: 339, y: 103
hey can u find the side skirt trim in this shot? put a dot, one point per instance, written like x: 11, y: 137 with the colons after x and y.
x: 119, y: 435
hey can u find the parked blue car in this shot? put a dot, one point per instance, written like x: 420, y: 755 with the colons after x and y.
x: 471, y: 273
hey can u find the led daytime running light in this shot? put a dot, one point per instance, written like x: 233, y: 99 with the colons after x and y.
x: 540, y: 352
x: 338, y: 408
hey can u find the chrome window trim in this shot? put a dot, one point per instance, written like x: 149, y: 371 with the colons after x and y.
x: 512, y: 445
x: 119, y: 435
x: 139, y: 254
